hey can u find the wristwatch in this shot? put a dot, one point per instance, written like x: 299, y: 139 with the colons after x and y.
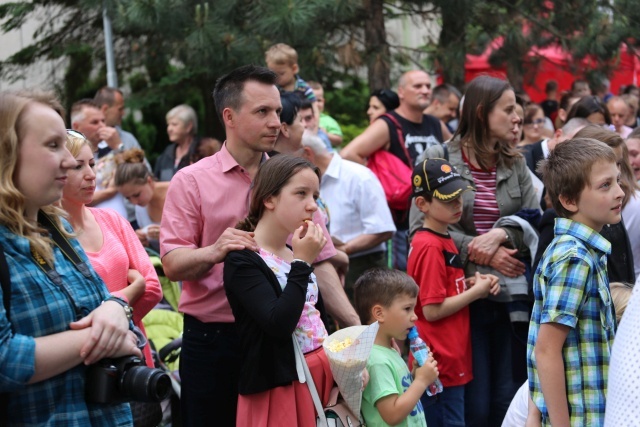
x: 128, y: 310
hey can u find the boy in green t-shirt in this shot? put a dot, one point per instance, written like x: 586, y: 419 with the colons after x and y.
x: 392, y: 397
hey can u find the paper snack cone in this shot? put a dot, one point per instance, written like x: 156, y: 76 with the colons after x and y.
x: 347, y: 364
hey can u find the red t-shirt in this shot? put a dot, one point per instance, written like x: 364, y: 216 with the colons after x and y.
x: 435, y: 265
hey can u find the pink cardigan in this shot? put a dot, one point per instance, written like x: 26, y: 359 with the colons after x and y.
x: 121, y: 250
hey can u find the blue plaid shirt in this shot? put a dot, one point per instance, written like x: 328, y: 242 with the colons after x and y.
x: 40, y: 308
x: 571, y: 288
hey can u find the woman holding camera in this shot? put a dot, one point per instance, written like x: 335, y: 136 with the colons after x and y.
x: 57, y: 315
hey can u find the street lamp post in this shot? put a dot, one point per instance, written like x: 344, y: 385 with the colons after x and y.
x: 112, y: 76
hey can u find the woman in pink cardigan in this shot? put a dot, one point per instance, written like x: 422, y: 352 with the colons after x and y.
x: 108, y: 240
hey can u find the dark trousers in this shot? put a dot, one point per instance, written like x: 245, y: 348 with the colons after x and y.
x: 360, y: 264
x: 445, y: 409
x: 209, y: 368
x: 488, y: 395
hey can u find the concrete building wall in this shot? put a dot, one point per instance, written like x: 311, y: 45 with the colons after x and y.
x: 43, y: 75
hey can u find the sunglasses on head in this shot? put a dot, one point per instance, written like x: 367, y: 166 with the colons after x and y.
x: 75, y: 134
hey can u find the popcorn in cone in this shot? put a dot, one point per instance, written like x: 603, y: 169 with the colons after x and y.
x: 348, y: 351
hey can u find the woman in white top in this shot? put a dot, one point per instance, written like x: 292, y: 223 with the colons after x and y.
x: 137, y: 184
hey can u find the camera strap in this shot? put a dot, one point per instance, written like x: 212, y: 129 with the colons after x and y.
x: 65, y: 247
x: 67, y: 250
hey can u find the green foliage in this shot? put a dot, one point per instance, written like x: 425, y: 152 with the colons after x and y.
x: 172, y: 51
x: 350, y: 131
x: 146, y: 134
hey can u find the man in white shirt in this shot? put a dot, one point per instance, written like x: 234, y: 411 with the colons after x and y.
x: 360, y: 219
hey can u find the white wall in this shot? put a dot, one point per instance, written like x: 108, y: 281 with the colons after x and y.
x: 42, y: 75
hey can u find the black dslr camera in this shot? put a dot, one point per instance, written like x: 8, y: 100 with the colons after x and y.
x: 125, y: 379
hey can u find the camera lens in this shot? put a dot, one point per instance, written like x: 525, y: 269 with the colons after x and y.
x: 144, y: 384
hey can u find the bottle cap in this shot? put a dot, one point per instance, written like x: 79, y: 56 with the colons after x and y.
x: 413, y: 333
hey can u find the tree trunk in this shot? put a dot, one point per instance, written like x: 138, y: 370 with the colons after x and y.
x: 451, y: 53
x: 376, y: 47
x: 211, y: 126
x: 515, y: 49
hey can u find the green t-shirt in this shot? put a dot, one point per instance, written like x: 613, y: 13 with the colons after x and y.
x: 389, y: 375
x: 329, y: 124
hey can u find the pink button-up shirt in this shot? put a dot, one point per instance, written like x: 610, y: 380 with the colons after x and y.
x: 203, y: 200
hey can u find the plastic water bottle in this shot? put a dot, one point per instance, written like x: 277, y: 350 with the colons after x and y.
x: 420, y: 352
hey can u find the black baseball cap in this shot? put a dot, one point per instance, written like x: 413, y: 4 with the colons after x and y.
x: 438, y: 178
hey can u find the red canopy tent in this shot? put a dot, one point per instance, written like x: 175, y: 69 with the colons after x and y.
x: 553, y: 63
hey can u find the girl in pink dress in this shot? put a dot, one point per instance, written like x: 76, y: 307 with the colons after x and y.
x: 273, y: 295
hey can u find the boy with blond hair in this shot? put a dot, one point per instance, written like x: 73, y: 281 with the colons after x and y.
x: 443, y: 301
x: 392, y: 397
x: 573, y: 320
x: 282, y: 59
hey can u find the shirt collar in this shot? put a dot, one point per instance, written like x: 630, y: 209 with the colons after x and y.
x: 228, y: 162
x: 581, y: 232
x: 333, y: 170
x: 545, y: 148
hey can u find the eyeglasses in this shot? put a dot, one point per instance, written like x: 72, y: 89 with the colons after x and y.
x: 75, y: 134
x: 535, y: 122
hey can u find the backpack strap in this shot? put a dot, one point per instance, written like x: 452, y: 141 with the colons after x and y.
x: 398, y: 127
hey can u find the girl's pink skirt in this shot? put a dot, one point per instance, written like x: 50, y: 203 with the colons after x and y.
x: 289, y: 405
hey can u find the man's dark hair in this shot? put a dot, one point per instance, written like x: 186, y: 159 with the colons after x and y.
x: 305, y: 104
x: 106, y: 95
x: 550, y: 86
x: 291, y: 103
x: 228, y: 90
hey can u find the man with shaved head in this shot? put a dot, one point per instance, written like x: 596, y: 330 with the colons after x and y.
x: 419, y: 132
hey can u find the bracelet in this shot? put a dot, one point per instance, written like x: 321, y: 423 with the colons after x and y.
x: 507, y: 238
x: 301, y: 260
x: 128, y: 310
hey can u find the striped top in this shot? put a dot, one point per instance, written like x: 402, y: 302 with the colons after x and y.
x: 485, y: 207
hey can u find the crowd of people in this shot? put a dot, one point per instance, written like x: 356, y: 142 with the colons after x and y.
x: 514, y: 247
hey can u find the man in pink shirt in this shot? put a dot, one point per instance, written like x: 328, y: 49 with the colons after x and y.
x: 203, y: 205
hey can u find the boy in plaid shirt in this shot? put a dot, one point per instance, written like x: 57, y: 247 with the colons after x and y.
x: 573, y: 321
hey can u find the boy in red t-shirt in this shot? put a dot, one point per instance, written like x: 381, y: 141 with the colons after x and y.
x: 445, y: 294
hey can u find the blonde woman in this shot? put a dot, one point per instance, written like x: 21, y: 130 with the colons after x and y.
x: 53, y: 328
x: 108, y: 239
